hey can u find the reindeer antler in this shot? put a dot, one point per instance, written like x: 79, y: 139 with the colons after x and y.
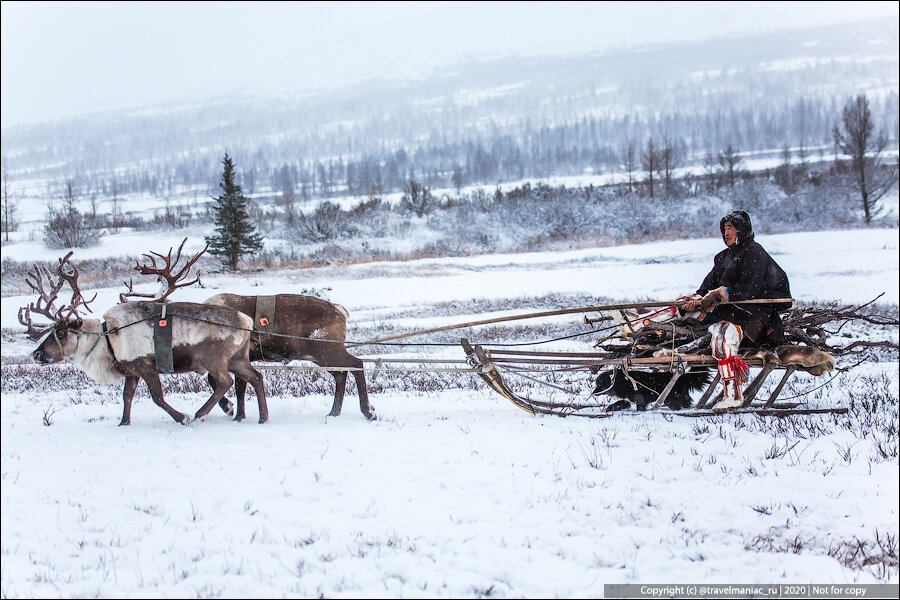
x: 69, y: 273
x: 48, y: 285
x: 170, y: 282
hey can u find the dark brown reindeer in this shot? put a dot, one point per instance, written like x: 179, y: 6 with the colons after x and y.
x: 292, y: 332
x: 205, y: 338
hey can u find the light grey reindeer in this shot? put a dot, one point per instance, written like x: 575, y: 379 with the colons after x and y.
x: 205, y: 338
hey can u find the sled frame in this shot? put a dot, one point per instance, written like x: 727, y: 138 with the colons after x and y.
x: 488, y: 365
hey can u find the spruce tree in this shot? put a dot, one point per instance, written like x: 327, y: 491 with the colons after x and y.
x: 235, y: 234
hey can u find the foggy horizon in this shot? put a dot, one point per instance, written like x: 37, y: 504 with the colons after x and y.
x: 62, y: 60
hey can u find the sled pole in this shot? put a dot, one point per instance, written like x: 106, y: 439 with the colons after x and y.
x: 787, y: 374
x: 701, y: 403
x: 551, y: 313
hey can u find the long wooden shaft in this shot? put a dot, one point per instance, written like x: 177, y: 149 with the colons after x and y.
x: 550, y: 313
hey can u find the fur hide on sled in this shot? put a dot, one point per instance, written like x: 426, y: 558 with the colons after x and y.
x: 649, y: 386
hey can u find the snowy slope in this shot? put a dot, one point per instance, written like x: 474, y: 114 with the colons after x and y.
x: 453, y: 492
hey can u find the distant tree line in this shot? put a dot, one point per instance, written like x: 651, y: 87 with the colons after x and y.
x: 504, y: 152
x: 650, y: 166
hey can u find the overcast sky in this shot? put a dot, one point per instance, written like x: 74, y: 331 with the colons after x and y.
x: 72, y: 58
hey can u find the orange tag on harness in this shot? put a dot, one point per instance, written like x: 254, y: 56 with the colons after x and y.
x: 163, y: 323
x: 264, y: 322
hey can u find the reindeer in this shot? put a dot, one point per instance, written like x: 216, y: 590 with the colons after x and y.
x: 205, y: 338
x: 293, y: 333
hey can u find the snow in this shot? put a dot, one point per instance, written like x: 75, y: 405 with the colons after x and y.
x: 453, y: 491
x: 824, y: 265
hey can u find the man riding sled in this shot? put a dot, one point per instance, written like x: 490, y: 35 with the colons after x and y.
x: 743, y: 271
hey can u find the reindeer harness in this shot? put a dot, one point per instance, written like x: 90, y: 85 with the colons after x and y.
x: 265, y: 314
x: 162, y: 337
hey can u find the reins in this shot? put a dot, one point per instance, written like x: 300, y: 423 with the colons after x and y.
x: 107, y: 333
x: 350, y: 343
x: 386, y: 342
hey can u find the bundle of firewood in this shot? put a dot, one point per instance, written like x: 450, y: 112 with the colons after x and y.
x: 812, y: 324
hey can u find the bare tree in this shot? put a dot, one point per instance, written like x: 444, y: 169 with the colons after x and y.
x: 416, y: 199
x: 711, y: 169
x: 630, y: 164
x: 66, y: 227
x: 94, y: 207
x: 457, y: 178
x: 288, y: 196
x: 116, y: 209
x: 858, y: 140
x: 670, y: 159
x: 650, y: 162
x: 729, y: 159
x: 10, y: 205
x: 802, y: 160
x: 783, y: 175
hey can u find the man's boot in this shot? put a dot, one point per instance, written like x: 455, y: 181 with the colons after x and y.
x: 726, y: 337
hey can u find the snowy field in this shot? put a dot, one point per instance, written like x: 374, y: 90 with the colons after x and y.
x: 453, y: 491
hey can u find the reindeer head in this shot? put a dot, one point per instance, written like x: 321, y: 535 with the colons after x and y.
x: 48, y: 284
x: 59, y: 338
x: 168, y: 282
x: 59, y: 343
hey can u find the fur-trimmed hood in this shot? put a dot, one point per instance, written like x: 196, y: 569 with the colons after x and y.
x: 741, y: 221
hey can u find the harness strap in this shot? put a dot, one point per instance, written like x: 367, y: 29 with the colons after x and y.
x: 612, y: 383
x: 162, y: 338
x: 105, y: 335
x: 58, y: 343
x: 97, y: 341
x: 628, y: 376
x: 265, y: 314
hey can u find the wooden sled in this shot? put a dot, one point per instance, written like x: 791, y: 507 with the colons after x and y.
x: 489, y: 363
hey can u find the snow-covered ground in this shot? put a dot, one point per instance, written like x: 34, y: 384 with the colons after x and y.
x: 453, y: 492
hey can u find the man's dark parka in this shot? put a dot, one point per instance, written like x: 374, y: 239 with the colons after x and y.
x: 748, y: 272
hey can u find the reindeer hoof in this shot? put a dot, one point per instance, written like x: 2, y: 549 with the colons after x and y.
x: 263, y: 419
x: 239, y: 418
x: 124, y: 422
x: 227, y: 408
x: 371, y: 416
x: 335, y: 412
x: 185, y: 420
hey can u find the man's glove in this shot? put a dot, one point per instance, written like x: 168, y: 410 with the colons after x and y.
x: 689, y: 303
x: 714, y: 298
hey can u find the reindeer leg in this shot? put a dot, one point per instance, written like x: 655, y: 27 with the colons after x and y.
x: 340, y: 383
x: 222, y: 385
x: 242, y: 377
x: 131, y: 383
x: 240, y: 390
x: 367, y: 409
x: 224, y: 403
x: 156, y: 393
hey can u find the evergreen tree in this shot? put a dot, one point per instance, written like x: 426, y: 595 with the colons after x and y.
x: 235, y: 234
